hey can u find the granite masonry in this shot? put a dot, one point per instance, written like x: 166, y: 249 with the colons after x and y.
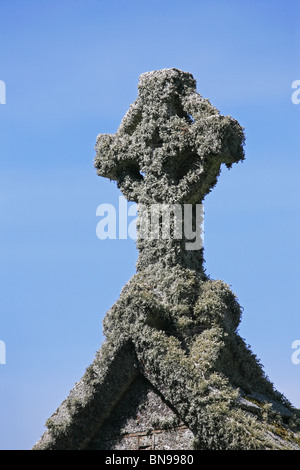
x: 173, y: 372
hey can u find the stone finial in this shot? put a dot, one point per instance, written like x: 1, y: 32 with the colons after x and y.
x: 173, y: 331
x: 170, y: 144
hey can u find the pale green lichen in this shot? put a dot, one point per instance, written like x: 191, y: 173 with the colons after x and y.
x: 181, y: 326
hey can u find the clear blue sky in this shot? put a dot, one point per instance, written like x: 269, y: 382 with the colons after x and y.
x: 71, y: 70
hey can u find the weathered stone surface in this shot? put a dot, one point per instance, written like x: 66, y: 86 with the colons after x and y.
x: 168, y: 150
x: 142, y: 420
x: 92, y: 399
x: 172, y: 348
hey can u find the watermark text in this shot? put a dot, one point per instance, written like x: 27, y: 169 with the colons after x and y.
x: 296, y: 353
x: 2, y: 352
x: 296, y: 93
x: 153, y: 222
x: 2, y: 92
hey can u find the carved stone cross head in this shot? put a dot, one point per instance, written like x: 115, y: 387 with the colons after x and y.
x: 168, y: 151
x: 170, y: 144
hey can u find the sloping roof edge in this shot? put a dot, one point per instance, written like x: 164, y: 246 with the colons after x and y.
x: 92, y: 399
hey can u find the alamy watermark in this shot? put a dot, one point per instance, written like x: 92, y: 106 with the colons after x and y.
x: 296, y: 94
x: 153, y: 222
x: 296, y: 353
x: 2, y: 352
x: 2, y: 92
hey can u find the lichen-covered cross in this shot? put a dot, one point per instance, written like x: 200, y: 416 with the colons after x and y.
x: 171, y: 143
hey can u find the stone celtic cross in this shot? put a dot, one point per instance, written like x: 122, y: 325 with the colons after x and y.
x: 173, y: 367
x: 168, y: 150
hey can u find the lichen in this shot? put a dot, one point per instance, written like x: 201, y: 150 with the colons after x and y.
x: 181, y: 325
x: 196, y: 360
